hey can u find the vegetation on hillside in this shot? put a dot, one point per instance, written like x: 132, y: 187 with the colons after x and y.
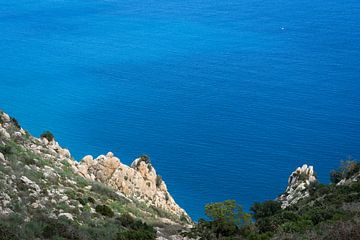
x: 41, y: 197
x: 331, y: 212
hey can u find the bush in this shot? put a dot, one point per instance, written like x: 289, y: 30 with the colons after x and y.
x: 126, y: 220
x: 91, y: 200
x: 297, y: 227
x: 104, y: 210
x: 158, y: 181
x: 7, y: 232
x: 15, y: 122
x: 136, y: 235
x: 335, y: 176
x: 7, y: 149
x: 137, y: 230
x: 144, y: 158
x: 265, y: 209
x: 267, y: 224
x: 83, y: 201
x: 48, y: 135
x: 227, y: 217
x: 347, y: 169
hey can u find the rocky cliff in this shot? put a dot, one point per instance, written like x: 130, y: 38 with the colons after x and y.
x: 139, y: 181
x: 38, y: 177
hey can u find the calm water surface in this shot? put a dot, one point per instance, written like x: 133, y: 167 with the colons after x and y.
x: 227, y: 97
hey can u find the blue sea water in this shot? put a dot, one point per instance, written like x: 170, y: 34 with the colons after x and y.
x: 227, y: 97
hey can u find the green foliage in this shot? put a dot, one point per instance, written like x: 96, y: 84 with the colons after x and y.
x: 296, y: 227
x: 7, y: 231
x: 15, y: 122
x: 104, y: 210
x: 265, y: 209
x: 144, y: 158
x: 159, y: 181
x: 103, y: 190
x: 335, y: 176
x: 126, y: 220
x: 136, y: 230
x: 7, y: 149
x: 347, y: 169
x: 83, y: 200
x: 91, y: 200
x: 226, y: 220
x: 48, y: 135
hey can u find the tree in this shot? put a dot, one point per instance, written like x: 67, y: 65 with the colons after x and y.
x: 227, y: 217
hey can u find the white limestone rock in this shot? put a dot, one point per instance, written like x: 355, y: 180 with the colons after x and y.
x: 298, y: 186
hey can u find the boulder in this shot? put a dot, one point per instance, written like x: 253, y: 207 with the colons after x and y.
x: 5, y: 117
x: 4, y: 133
x: 69, y: 216
x: 33, y: 186
x: 2, y: 157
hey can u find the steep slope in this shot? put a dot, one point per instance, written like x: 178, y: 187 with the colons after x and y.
x: 46, y: 194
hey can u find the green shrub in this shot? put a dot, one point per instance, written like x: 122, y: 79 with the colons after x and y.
x: 126, y: 220
x: 83, y: 201
x: 268, y: 224
x: 296, y: 227
x: 347, y: 169
x: 91, y: 200
x: 144, y: 158
x: 48, y: 135
x: 265, y: 209
x: 7, y: 149
x: 136, y: 235
x: 158, y: 181
x: 15, y: 122
x: 104, y: 210
x: 103, y: 190
x: 335, y: 176
x: 226, y: 217
x: 137, y: 230
x: 7, y: 232
x: 317, y: 215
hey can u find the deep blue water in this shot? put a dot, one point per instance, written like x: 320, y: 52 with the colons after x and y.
x: 227, y: 97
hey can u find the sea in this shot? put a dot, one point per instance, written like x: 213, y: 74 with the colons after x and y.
x: 226, y: 97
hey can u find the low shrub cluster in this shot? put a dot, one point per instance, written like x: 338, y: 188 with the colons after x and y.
x: 48, y: 135
x: 104, y: 210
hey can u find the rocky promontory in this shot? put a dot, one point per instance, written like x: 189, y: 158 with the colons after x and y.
x: 298, y: 186
x: 41, y: 183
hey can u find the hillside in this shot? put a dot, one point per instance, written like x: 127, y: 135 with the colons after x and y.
x: 306, y: 210
x: 46, y: 194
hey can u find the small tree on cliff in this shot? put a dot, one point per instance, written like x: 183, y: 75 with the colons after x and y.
x: 226, y: 217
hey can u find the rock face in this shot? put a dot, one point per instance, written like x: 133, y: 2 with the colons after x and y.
x: 298, y: 186
x: 138, y: 181
x: 138, y: 184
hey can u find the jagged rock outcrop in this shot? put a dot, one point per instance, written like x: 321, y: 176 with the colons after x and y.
x: 39, y: 179
x: 298, y: 186
x: 139, y: 181
x: 136, y: 182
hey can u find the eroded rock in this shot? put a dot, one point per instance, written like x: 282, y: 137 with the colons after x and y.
x: 298, y: 186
